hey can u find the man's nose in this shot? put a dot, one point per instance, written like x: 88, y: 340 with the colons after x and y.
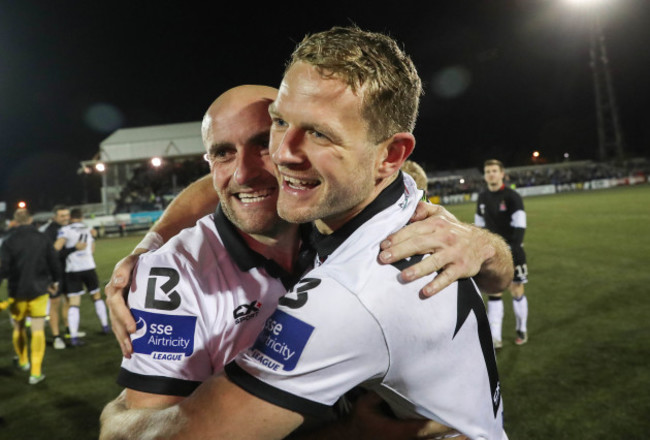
x: 286, y: 148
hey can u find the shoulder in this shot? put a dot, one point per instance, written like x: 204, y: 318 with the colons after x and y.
x: 191, y: 248
x: 513, y: 194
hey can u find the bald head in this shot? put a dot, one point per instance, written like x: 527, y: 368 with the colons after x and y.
x: 233, y: 102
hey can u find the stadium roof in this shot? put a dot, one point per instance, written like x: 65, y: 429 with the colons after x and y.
x: 142, y: 143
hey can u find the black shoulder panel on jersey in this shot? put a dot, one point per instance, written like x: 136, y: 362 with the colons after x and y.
x: 274, y: 395
x: 156, y: 384
x: 470, y: 300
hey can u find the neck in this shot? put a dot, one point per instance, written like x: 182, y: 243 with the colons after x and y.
x: 495, y: 186
x: 282, y: 247
x: 327, y: 226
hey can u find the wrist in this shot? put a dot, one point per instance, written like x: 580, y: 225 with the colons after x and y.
x: 151, y: 241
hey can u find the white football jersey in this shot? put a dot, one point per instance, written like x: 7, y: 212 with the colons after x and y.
x: 81, y: 260
x: 198, y: 301
x: 352, y: 321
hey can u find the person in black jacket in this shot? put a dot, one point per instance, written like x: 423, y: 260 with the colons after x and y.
x: 501, y: 210
x: 30, y: 264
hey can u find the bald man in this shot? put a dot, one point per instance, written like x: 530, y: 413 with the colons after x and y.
x: 207, y: 293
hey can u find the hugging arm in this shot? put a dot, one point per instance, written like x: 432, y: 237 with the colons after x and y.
x: 459, y: 250
x: 194, y: 202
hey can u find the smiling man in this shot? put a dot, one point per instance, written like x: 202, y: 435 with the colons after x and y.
x: 206, y: 294
x: 342, y: 127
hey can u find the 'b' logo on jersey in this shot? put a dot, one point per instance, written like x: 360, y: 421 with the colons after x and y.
x: 171, y: 280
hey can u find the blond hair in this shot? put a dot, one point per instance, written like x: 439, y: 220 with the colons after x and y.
x: 373, y: 64
x: 418, y: 174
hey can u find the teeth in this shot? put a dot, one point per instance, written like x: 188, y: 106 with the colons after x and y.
x: 253, y: 197
x: 299, y: 184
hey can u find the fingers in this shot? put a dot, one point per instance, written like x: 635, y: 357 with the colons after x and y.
x: 413, y: 239
x: 439, y: 283
x: 425, y: 210
x: 455, y: 249
x: 122, y: 321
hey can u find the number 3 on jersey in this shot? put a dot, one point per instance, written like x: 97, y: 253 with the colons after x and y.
x: 169, y: 280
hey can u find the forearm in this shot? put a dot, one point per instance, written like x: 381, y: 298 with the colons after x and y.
x: 497, y: 271
x: 197, y: 200
x: 120, y: 422
x: 63, y: 253
x: 335, y: 430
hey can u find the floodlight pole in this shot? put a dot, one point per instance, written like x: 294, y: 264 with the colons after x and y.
x: 104, y: 193
x: 610, y: 138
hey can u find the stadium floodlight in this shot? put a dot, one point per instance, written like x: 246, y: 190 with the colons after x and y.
x: 535, y: 154
x: 582, y: 3
x: 156, y: 162
x: 610, y: 135
x: 22, y: 204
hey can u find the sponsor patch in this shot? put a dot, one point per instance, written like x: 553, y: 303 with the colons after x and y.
x: 164, y: 337
x: 282, y: 341
x: 245, y: 312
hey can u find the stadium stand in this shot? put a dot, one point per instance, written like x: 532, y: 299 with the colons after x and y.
x: 463, y: 185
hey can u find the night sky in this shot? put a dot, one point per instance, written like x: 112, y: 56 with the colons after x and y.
x: 502, y: 78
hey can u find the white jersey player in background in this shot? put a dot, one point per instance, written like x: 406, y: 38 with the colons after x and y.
x: 80, y: 273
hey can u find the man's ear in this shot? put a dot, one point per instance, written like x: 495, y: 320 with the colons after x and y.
x: 395, y: 151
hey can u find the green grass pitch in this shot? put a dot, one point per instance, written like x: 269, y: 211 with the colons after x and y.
x: 583, y: 374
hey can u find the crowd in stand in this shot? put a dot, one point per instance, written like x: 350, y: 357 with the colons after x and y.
x: 151, y: 189
x: 470, y: 181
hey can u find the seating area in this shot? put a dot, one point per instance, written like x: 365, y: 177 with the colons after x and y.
x: 471, y: 180
x: 151, y: 189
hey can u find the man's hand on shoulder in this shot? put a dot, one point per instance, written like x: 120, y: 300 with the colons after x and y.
x: 458, y: 250
x: 116, y: 290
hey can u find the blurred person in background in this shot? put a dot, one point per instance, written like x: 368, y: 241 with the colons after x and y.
x: 418, y: 174
x: 80, y: 272
x: 58, y: 304
x: 29, y: 262
x: 500, y: 209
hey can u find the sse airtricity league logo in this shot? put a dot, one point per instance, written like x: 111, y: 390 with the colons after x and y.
x: 164, y: 337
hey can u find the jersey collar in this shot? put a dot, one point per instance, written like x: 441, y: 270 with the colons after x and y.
x: 247, y: 259
x: 326, y: 244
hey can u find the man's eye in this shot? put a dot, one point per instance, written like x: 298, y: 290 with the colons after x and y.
x: 222, y: 155
x: 279, y: 122
x: 318, y: 135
